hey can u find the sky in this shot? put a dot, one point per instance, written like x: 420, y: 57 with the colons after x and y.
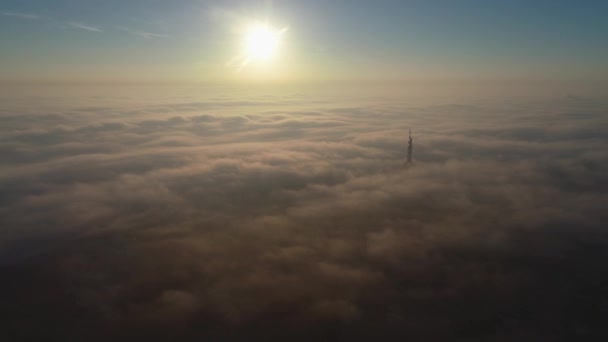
x: 197, y: 41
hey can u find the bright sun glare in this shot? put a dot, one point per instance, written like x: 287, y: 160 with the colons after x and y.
x: 262, y: 42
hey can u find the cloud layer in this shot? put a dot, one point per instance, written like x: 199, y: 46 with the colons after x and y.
x: 292, y: 217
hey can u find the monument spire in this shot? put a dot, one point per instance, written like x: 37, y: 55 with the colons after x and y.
x: 410, y: 150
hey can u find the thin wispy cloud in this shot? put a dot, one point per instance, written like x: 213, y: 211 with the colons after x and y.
x: 144, y: 34
x: 85, y: 27
x: 20, y: 15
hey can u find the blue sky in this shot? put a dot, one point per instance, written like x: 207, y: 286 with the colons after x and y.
x: 193, y: 40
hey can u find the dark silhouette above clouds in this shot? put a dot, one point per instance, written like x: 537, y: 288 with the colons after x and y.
x: 410, y: 150
x: 277, y: 219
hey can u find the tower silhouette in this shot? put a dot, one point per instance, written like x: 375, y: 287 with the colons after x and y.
x: 410, y: 150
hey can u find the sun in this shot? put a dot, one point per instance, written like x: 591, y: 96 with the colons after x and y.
x: 261, y: 45
x: 262, y: 42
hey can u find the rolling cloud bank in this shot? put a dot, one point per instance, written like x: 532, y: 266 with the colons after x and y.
x: 292, y: 217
